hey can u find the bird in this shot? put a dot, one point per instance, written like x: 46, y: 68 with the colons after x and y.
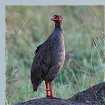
x: 49, y: 58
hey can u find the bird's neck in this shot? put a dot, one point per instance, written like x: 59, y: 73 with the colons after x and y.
x: 58, y: 25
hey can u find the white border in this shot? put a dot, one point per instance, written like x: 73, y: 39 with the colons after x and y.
x: 2, y: 53
x: 2, y: 28
x: 55, y: 2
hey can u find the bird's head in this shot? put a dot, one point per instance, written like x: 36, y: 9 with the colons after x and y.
x: 57, y: 18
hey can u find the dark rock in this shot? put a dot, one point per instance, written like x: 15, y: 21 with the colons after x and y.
x: 95, y: 95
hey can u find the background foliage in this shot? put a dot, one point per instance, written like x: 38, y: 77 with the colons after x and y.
x: 29, y: 26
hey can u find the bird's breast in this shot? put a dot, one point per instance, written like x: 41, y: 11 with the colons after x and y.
x: 58, y: 51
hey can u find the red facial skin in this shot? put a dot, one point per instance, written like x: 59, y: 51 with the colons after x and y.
x: 57, y: 19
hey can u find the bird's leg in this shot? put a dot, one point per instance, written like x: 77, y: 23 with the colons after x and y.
x: 48, y: 89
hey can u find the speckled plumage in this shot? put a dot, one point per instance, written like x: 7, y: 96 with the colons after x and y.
x: 49, y: 58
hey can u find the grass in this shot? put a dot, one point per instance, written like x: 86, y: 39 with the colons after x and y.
x: 29, y: 26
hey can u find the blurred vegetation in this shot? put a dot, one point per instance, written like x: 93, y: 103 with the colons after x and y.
x: 29, y: 26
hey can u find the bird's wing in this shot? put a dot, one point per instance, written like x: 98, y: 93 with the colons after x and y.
x: 42, y: 58
x: 38, y: 65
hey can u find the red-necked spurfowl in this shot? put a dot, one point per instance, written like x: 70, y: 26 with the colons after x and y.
x: 49, y: 58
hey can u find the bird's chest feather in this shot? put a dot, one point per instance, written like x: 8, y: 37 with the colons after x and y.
x: 58, y: 49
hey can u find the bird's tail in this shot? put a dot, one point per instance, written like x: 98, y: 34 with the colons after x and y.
x: 36, y: 84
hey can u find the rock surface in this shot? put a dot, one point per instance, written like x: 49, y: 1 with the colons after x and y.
x: 95, y: 95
